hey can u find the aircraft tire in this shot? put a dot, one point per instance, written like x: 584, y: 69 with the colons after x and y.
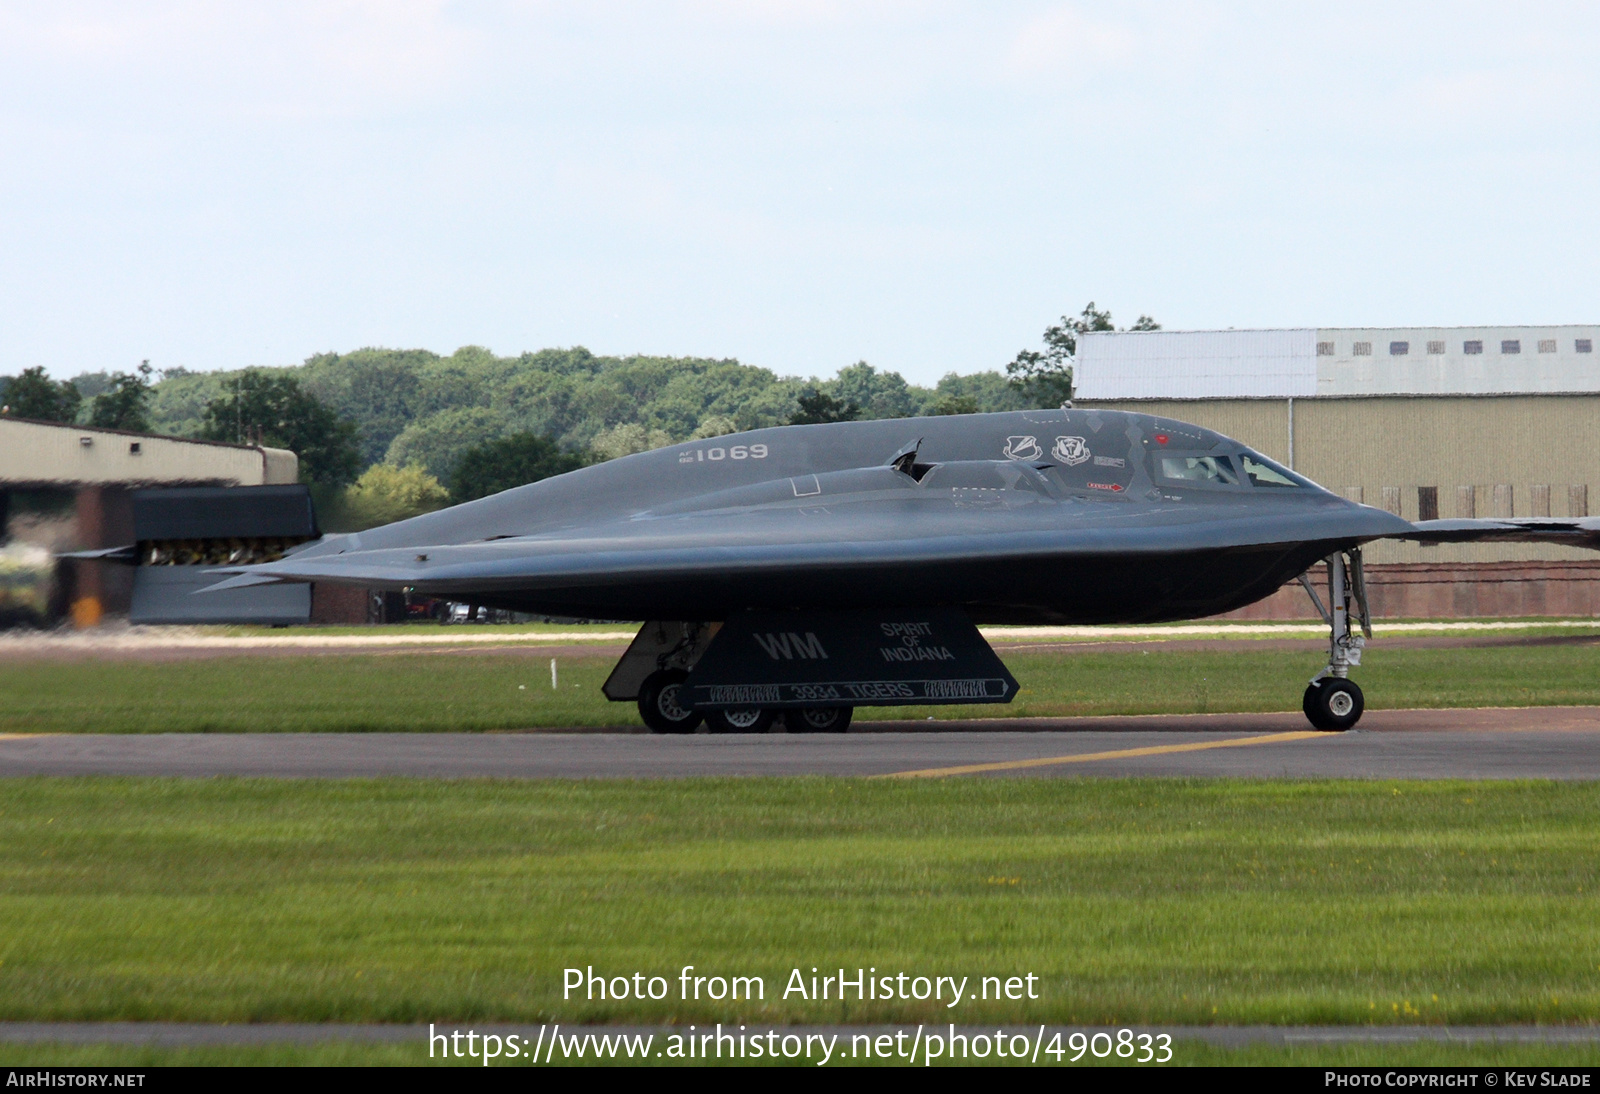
x: 1308, y: 703
x: 659, y: 704
x: 1333, y: 705
x: 740, y: 720
x: 818, y: 719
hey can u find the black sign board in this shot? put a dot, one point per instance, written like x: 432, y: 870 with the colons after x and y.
x: 815, y: 659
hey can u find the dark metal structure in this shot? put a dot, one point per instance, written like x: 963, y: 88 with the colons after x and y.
x: 181, y: 533
x: 1061, y: 516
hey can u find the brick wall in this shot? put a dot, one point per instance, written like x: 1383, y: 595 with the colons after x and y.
x: 339, y: 604
x: 1453, y: 590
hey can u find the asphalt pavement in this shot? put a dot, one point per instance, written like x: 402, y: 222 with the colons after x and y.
x: 1504, y: 743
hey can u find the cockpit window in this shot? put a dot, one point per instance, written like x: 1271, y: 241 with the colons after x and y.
x: 1263, y: 472
x: 1205, y: 470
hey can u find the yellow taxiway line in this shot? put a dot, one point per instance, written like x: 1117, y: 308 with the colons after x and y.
x: 1089, y: 757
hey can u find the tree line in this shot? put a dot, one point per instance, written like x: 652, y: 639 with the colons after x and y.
x: 383, y: 434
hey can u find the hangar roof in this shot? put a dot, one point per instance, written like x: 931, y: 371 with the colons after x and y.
x: 1305, y: 362
x: 40, y: 454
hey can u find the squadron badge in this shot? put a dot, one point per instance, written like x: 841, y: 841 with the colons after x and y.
x: 1071, y: 450
x: 1023, y: 448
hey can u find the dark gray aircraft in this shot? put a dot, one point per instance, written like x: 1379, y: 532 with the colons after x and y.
x: 801, y: 571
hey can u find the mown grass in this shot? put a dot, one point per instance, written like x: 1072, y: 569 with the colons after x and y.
x: 1185, y: 1054
x: 476, y: 690
x: 1241, y: 628
x: 422, y: 628
x: 1134, y: 901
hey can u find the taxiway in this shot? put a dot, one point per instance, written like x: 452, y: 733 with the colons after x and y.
x: 1501, y: 743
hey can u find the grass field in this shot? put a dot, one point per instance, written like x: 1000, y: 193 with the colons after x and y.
x: 1239, y: 627
x: 1185, y: 1054
x: 478, y: 690
x: 1134, y: 901
x: 419, y: 629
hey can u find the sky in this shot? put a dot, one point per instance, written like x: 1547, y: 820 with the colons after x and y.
x: 799, y: 184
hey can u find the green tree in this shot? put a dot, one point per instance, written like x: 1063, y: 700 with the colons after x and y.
x: 35, y: 395
x: 124, y: 404
x: 377, y: 388
x: 1045, y: 378
x: 985, y: 392
x: 509, y: 462
x: 956, y: 404
x: 715, y: 425
x: 416, y: 406
x: 627, y: 439
x: 816, y: 407
x: 90, y: 384
x: 258, y: 407
x: 385, y: 493
x: 438, y: 440
x: 878, y: 394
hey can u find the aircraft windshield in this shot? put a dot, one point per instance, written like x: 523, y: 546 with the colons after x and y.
x: 1212, y: 470
x: 1263, y: 472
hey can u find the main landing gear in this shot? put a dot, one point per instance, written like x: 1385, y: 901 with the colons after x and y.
x: 818, y: 720
x: 1333, y: 701
x: 662, y: 705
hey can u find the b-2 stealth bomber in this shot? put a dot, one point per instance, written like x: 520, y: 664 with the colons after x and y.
x: 799, y: 572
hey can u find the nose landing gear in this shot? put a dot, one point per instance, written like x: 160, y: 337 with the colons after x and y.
x: 1333, y: 701
x: 1333, y: 704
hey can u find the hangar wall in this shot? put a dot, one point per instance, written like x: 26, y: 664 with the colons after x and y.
x: 1480, y: 455
x: 52, y: 454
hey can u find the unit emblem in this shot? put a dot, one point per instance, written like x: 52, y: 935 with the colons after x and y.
x: 1071, y: 450
x: 1022, y: 448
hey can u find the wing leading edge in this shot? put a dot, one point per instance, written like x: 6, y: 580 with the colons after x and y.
x: 1569, y: 532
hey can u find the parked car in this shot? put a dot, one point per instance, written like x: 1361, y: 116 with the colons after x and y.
x: 464, y: 613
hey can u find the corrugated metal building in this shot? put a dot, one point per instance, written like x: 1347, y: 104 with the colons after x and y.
x: 1303, y: 363
x: 1424, y: 422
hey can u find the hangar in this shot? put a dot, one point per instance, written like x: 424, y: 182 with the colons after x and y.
x: 1425, y: 422
x: 66, y: 487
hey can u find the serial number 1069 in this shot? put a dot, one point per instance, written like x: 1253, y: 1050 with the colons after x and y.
x: 735, y: 452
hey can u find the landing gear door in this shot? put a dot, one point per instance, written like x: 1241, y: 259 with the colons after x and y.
x: 816, y: 659
x: 658, y: 645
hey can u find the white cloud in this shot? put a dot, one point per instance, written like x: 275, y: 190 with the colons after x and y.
x: 799, y: 182
x: 294, y: 58
x: 1067, y: 41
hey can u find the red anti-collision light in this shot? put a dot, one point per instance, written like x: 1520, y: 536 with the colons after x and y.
x: 1161, y: 438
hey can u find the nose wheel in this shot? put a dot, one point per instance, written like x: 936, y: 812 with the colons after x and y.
x: 1333, y: 704
x: 1332, y: 701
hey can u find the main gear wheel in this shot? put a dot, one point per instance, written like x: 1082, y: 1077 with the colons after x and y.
x: 663, y: 703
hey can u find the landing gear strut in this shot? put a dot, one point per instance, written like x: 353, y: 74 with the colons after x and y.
x: 1333, y: 701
